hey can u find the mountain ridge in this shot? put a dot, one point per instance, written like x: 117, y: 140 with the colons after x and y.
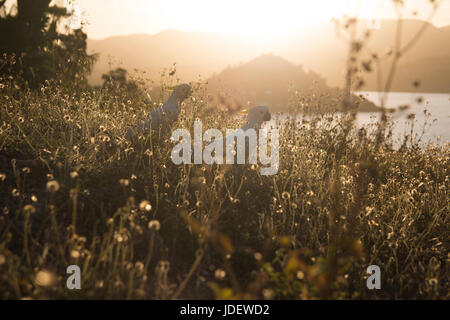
x: 207, y: 53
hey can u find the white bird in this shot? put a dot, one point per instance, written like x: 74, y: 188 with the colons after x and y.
x: 164, y: 115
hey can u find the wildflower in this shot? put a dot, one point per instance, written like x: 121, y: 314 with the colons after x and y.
x: 75, y: 254
x: 26, y: 170
x: 145, y: 206
x: 124, y: 182
x: 74, y: 174
x: 2, y: 177
x: 220, y: 274
x: 118, y: 237
x: 52, y: 186
x: 29, y: 209
x: 15, y: 192
x: 105, y: 138
x: 44, y: 278
x: 258, y: 256
x: 285, y: 195
x: 163, y: 266
x: 139, y: 266
x: 268, y: 294
x: 154, y: 225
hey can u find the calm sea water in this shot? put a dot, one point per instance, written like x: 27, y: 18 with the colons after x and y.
x: 437, y: 130
x: 437, y: 104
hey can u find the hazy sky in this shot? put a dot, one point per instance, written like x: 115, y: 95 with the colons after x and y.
x: 256, y: 17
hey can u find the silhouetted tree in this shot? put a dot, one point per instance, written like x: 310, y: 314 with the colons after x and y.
x: 41, y: 51
x: 117, y: 78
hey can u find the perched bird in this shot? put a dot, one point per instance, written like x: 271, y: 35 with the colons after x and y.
x: 165, y: 115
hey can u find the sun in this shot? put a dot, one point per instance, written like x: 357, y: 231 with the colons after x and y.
x: 250, y: 17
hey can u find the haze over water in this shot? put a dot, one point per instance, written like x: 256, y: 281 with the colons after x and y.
x: 437, y: 104
x: 437, y: 125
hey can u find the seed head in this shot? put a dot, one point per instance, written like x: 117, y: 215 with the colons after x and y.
x: 52, y: 186
x: 154, y: 225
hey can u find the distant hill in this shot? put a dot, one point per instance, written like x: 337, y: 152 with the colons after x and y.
x: 267, y: 79
x: 196, y: 53
x: 428, y: 61
x: 433, y: 74
x: 325, y: 53
x: 317, y: 48
x: 273, y: 81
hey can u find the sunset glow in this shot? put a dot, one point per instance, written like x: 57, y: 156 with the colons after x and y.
x: 257, y: 18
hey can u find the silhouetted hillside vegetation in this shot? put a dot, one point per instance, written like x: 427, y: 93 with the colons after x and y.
x: 273, y: 81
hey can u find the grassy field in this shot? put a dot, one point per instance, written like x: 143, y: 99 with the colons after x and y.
x: 75, y: 192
